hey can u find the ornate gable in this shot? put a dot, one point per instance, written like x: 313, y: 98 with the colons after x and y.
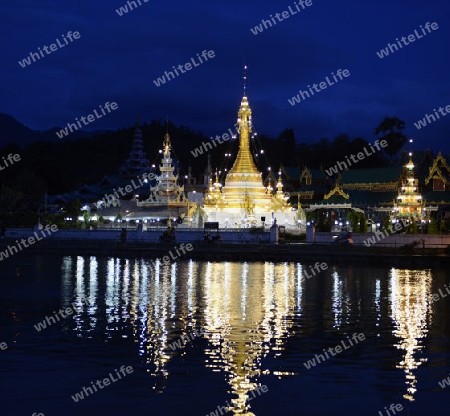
x: 439, y: 173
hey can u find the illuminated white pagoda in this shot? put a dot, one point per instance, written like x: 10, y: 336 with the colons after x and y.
x: 166, y: 191
x: 243, y: 200
x: 409, y: 201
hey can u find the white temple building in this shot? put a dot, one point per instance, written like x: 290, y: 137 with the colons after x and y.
x: 166, y: 192
x: 243, y: 201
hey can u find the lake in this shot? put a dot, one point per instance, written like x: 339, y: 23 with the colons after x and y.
x: 98, y: 335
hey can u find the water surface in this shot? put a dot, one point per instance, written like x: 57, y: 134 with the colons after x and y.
x: 237, y: 327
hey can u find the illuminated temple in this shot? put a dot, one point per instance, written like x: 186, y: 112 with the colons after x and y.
x: 166, y: 191
x: 243, y: 200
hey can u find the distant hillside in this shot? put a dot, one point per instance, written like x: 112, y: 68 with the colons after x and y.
x: 53, y: 165
x: 13, y: 131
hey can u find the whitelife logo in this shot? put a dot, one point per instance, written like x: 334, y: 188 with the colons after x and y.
x: 187, y: 338
x: 303, y: 95
x: 14, y: 249
x: 435, y: 296
x: 360, y: 155
x: 393, y: 408
x: 187, y: 67
x: 337, y: 349
x: 260, y: 389
x: 284, y: 15
x: 444, y: 383
x: 90, y: 118
x: 146, y: 177
x: 411, y: 38
x: 166, y: 259
x: 40, y: 54
x: 9, y: 161
x: 124, y: 9
x: 209, y: 145
x: 49, y: 320
x: 398, y: 226
x: 101, y: 383
x: 430, y: 117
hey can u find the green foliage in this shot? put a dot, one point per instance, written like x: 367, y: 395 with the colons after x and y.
x: 322, y: 223
x: 386, y: 224
x: 363, y: 223
x: 433, y: 227
x: 443, y: 227
x: 412, y: 226
x: 310, y: 215
x: 353, y: 218
x: 414, y: 229
x: 10, y: 201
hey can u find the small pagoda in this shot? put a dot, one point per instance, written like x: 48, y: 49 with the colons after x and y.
x: 137, y: 162
x: 165, y: 191
x: 409, y: 201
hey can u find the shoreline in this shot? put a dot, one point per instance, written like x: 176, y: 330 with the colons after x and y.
x: 244, y: 251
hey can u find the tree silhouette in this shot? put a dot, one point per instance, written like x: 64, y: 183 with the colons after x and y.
x: 391, y: 128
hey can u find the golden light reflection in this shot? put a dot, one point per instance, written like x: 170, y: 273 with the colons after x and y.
x: 242, y: 319
x: 245, y: 311
x: 242, y: 311
x: 412, y: 316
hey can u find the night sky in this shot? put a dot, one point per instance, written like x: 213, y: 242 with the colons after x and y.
x: 116, y: 59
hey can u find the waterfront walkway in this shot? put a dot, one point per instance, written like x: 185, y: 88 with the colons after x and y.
x: 244, y: 251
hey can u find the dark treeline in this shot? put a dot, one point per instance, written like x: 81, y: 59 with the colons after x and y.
x: 62, y: 166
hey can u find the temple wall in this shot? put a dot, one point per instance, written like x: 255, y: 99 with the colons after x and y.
x: 149, y: 236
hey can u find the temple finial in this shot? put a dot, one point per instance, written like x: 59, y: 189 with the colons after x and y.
x: 245, y: 74
x: 167, y: 138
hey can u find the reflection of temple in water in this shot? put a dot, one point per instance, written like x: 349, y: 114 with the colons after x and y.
x: 241, y: 322
x: 246, y: 311
x: 411, y: 315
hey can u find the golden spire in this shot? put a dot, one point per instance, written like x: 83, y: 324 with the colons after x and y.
x: 244, y: 162
x: 279, y: 184
x: 245, y: 74
x: 243, y: 195
x: 167, y: 144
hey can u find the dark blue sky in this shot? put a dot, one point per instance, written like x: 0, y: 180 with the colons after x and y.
x: 118, y: 57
